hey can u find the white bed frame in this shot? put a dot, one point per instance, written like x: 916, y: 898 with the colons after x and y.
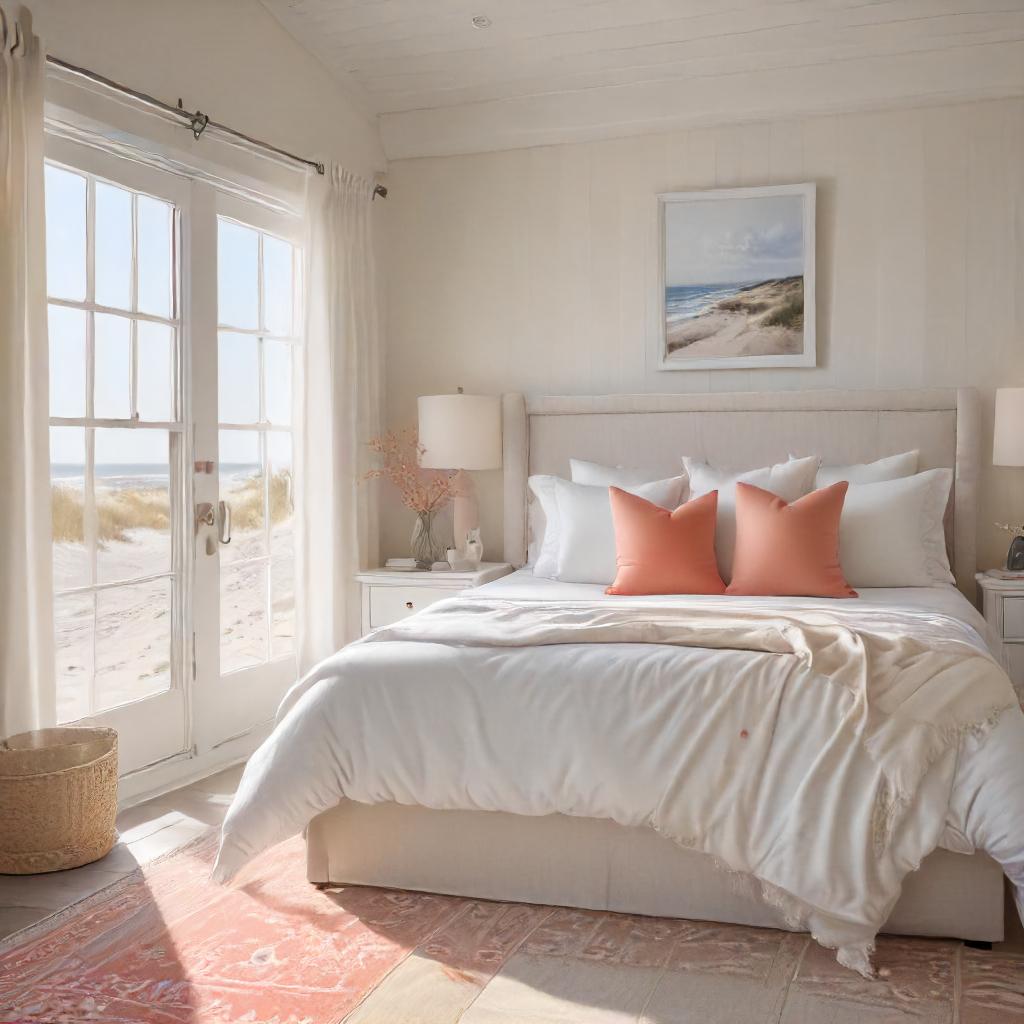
x: 584, y: 862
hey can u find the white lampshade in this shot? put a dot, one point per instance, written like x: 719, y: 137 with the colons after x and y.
x: 460, y: 431
x: 1008, y: 443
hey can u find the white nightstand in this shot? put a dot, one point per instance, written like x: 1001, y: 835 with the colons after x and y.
x: 393, y: 594
x: 1003, y: 605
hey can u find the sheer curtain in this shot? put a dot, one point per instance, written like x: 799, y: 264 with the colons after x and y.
x: 27, y: 688
x: 340, y: 400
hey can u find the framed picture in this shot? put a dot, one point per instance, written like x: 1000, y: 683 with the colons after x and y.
x: 737, y: 278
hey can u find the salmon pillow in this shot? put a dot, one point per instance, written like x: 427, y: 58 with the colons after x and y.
x: 662, y: 552
x: 789, y: 550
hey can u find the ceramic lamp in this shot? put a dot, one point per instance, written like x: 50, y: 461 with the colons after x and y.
x: 461, y: 432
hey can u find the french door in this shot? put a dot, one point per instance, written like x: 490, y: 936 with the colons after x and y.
x: 173, y: 322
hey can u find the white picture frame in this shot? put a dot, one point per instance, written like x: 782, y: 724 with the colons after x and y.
x: 754, y: 255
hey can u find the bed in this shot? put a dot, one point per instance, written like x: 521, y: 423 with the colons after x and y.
x: 386, y: 837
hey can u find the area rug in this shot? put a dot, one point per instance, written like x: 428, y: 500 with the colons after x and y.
x: 166, y: 946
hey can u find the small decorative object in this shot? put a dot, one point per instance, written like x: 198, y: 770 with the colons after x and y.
x: 58, y: 799
x: 458, y: 563
x: 425, y: 491
x: 461, y: 432
x: 1015, y: 556
x: 737, y: 278
x: 474, y: 548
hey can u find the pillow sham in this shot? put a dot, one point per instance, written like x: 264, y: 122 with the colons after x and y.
x: 892, y: 533
x: 789, y: 549
x: 663, y: 552
x: 892, y: 467
x: 586, y: 533
x: 595, y: 475
x: 789, y: 480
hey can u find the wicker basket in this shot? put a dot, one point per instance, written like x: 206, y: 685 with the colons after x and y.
x: 58, y: 799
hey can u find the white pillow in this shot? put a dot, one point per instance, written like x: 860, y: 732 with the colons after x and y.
x: 891, y: 533
x: 586, y: 552
x: 595, y: 475
x: 789, y: 480
x: 892, y: 467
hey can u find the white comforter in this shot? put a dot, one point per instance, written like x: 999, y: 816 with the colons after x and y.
x: 822, y: 747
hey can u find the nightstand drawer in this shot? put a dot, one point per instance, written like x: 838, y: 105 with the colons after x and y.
x: 389, y: 604
x: 1013, y: 618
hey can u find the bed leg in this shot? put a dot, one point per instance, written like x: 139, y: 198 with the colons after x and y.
x: 322, y: 885
x: 978, y: 944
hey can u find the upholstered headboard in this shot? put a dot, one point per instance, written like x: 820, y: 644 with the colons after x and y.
x: 741, y: 431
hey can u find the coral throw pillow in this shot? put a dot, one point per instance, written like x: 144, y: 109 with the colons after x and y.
x: 789, y: 550
x: 662, y: 552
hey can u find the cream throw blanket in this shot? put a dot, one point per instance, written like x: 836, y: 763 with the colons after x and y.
x: 905, y: 706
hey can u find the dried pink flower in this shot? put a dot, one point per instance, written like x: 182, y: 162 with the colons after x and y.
x: 422, y: 490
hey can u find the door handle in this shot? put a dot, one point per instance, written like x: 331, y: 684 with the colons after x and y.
x: 224, y: 522
x: 204, y: 515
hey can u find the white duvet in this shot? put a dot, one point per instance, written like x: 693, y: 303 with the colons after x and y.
x: 822, y: 747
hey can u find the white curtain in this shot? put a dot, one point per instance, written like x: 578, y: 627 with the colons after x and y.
x: 27, y: 689
x: 339, y: 402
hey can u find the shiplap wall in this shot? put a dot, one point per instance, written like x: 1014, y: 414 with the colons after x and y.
x: 534, y: 270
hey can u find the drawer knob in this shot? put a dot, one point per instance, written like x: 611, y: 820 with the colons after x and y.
x: 408, y: 604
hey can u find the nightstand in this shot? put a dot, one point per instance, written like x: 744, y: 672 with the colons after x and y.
x: 393, y: 594
x: 1003, y: 605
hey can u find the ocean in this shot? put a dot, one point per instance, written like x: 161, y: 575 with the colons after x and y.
x: 689, y: 300
x: 121, y: 476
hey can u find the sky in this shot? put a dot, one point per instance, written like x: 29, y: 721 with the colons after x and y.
x: 726, y: 241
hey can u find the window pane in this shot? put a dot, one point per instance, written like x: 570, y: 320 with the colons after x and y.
x: 237, y: 275
x: 282, y: 548
x: 133, y: 642
x: 238, y: 378
x: 241, y: 486
x: 65, y: 234
x: 155, y: 378
x: 112, y: 396
x: 154, y: 256
x: 67, y: 498
x: 67, y: 361
x: 277, y: 285
x: 73, y: 622
x: 243, y: 617
x: 113, y: 246
x: 132, y: 503
x: 277, y: 375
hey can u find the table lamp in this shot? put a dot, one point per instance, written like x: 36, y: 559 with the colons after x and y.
x: 461, y: 432
x: 1008, y: 450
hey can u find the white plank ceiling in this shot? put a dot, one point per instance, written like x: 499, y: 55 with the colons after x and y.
x: 548, y: 71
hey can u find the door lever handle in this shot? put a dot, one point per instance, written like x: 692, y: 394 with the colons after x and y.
x: 204, y: 514
x: 224, y: 522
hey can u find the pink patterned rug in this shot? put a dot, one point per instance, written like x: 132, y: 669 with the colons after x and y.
x: 166, y: 946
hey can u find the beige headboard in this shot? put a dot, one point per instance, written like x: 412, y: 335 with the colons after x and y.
x: 740, y: 431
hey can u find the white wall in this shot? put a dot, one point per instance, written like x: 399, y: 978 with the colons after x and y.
x: 533, y: 269
x: 229, y: 58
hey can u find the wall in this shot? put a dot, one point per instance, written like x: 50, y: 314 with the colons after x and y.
x: 229, y: 58
x: 533, y: 269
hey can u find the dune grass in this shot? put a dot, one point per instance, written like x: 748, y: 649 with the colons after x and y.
x: 118, y: 512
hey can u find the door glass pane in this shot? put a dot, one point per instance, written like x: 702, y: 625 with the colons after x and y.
x: 112, y: 397
x: 282, y: 547
x: 241, y: 486
x: 277, y: 285
x: 65, y: 234
x: 73, y: 625
x: 113, y: 246
x: 154, y: 256
x: 67, y: 361
x: 238, y: 375
x: 132, y: 503
x: 133, y: 642
x: 71, y: 562
x: 155, y: 349
x: 243, y: 616
x: 237, y: 275
x: 277, y: 374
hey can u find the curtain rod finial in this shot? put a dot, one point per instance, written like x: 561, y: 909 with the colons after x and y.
x: 380, y: 190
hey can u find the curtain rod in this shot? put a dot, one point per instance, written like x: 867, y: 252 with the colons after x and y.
x: 197, y: 120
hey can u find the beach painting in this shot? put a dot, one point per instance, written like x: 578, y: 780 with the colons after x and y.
x: 737, y: 282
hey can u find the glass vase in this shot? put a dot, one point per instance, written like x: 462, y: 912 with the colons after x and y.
x: 426, y: 547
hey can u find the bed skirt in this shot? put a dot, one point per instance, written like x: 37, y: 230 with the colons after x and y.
x: 599, y: 865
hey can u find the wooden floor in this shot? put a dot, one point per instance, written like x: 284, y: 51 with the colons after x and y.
x: 148, y: 831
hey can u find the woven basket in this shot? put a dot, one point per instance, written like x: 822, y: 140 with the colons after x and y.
x: 58, y: 799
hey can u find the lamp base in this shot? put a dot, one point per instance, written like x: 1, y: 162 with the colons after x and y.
x: 1015, y: 556
x: 466, y: 516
